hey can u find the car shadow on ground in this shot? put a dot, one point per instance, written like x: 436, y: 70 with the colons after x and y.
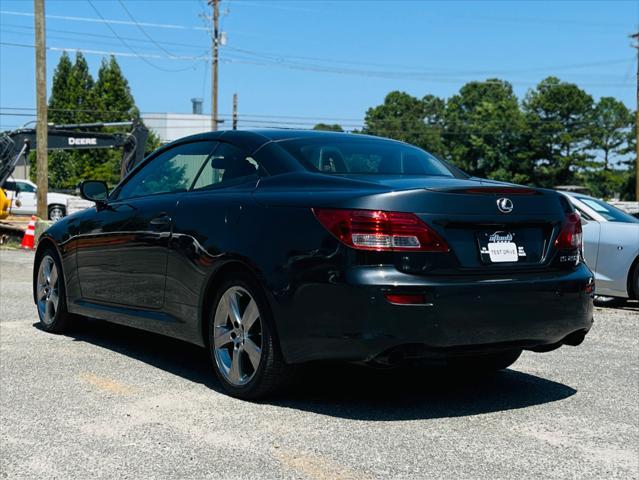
x: 344, y: 390
x: 624, y: 305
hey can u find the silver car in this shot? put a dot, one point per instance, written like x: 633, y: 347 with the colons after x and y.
x: 611, y: 246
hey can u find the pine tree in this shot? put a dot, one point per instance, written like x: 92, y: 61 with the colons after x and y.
x: 116, y: 102
x: 559, y: 118
x: 77, y: 98
x: 82, y: 95
x: 59, y: 101
x: 113, y: 93
x: 611, y: 120
x: 82, y: 106
x: 71, y: 101
x: 60, y: 112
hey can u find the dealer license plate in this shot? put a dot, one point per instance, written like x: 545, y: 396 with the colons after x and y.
x: 503, y: 252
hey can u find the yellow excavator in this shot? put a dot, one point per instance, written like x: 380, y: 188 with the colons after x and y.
x: 17, y: 144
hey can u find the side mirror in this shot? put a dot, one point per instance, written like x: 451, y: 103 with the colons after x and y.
x: 95, y: 191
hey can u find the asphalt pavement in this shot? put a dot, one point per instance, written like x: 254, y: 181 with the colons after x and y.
x: 106, y: 401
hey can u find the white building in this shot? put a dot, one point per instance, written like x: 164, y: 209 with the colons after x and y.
x: 171, y: 126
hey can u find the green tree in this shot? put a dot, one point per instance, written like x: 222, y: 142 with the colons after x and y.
x: 407, y: 118
x: 115, y: 103
x: 76, y: 98
x: 60, y: 112
x: 434, y: 117
x: 611, y: 121
x: 628, y: 186
x: 328, y: 127
x: 60, y: 98
x: 153, y: 142
x: 558, y: 116
x: 604, y: 182
x: 484, y: 132
x: 81, y: 93
x: 72, y: 100
x: 113, y: 94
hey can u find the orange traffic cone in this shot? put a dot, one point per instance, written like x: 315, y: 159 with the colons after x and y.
x: 28, y: 240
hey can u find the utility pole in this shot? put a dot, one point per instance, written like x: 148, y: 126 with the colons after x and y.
x: 216, y: 17
x: 41, y: 105
x: 235, y: 111
x: 636, y: 37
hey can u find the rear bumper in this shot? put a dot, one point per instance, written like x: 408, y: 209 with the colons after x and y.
x: 353, y: 320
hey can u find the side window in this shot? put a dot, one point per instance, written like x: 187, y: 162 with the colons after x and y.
x: 227, y: 166
x: 9, y: 185
x: 26, y: 187
x: 171, y: 171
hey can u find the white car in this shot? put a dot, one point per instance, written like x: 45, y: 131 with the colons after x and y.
x: 611, y: 246
x: 22, y: 194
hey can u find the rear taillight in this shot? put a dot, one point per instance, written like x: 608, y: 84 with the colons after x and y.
x: 405, y: 299
x: 381, y: 231
x: 571, y: 234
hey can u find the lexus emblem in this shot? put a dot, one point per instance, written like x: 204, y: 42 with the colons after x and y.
x: 505, y: 205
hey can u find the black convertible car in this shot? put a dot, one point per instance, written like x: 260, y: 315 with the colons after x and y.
x: 275, y: 248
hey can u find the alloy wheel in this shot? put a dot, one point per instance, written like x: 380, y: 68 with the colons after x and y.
x: 48, y: 291
x: 237, y: 336
x: 56, y: 213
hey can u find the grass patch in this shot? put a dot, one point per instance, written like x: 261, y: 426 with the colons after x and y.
x: 10, y: 243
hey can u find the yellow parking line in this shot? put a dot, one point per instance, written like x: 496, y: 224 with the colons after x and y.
x: 316, y: 468
x: 106, y: 384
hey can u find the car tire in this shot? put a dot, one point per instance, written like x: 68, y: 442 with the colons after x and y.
x: 49, y: 293
x: 56, y: 212
x: 242, y: 342
x: 486, y: 363
x: 634, y: 282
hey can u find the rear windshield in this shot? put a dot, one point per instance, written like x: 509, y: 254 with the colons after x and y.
x: 364, y: 156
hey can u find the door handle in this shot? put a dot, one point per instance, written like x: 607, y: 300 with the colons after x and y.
x: 163, y: 219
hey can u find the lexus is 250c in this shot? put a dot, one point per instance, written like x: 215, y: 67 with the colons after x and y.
x: 276, y: 248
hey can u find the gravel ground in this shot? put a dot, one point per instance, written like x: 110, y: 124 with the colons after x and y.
x: 110, y: 402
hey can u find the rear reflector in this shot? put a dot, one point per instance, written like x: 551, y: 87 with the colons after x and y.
x: 380, y: 231
x: 405, y: 299
x: 571, y: 235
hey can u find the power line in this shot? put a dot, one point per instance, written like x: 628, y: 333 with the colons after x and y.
x: 282, y: 120
x: 98, y: 35
x: 137, y: 24
x: 230, y: 58
x: 126, y: 44
x: 106, y: 21
x: 162, y: 115
x: 280, y: 57
x: 285, y: 57
x: 456, y: 15
x: 130, y: 23
x: 101, y: 42
x: 389, y: 75
x: 108, y: 52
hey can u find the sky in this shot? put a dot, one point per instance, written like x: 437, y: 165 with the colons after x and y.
x: 301, y: 62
